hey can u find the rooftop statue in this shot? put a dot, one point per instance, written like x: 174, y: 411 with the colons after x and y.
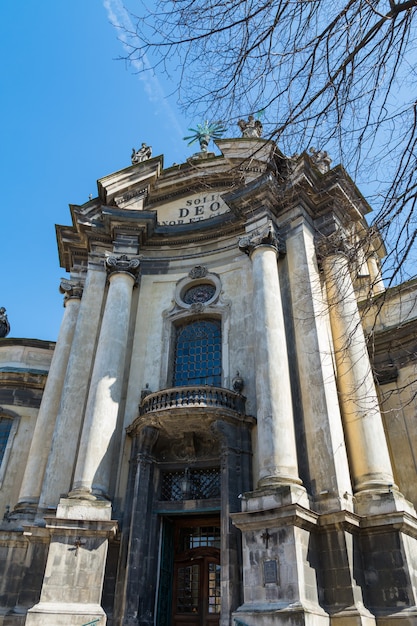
x: 143, y: 154
x: 4, y: 323
x: 251, y: 128
x: 204, y: 132
x: 321, y: 159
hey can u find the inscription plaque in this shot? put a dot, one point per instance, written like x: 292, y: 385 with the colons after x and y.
x: 270, y: 572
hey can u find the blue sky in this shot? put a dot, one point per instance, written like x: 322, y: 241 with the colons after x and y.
x: 70, y: 113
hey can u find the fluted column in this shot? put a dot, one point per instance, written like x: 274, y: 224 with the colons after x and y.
x: 93, y: 468
x: 62, y: 456
x: 42, y: 437
x: 276, y: 439
x: 367, y: 446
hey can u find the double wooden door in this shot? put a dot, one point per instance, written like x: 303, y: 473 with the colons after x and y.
x: 196, y: 599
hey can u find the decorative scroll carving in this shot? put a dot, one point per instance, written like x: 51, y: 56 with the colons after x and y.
x: 267, y: 236
x: 335, y: 243
x: 199, y: 271
x: 197, y: 307
x: 71, y: 289
x: 122, y: 264
x: 147, y: 439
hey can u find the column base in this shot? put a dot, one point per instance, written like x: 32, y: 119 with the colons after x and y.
x: 353, y: 616
x: 23, y: 513
x: 81, y: 509
x: 277, y: 614
x: 87, y: 494
x: 271, y: 497
x: 407, y: 617
x: 384, y: 500
x: 65, y: 614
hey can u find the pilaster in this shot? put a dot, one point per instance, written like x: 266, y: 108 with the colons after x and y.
x: 325, y: 443
x: 235, y: 480
x: 140, y: 591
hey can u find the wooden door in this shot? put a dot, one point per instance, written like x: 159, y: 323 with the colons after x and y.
x: 196, y: 597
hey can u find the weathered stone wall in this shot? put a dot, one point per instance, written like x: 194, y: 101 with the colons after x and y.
x: 24, y: 365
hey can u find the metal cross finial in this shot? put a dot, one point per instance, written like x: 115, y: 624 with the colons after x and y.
x: 265, y: 537
x: 77, y: 545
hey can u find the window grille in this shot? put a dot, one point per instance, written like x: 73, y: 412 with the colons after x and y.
x: 191, y: 484
x: 197, y: 357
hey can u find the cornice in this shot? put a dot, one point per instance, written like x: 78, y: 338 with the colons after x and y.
x: 283, y: 184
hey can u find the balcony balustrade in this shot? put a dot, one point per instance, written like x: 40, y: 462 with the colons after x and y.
x: 193, y: 397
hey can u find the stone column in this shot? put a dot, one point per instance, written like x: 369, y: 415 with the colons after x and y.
x: 275, y: 434
x: 94, y: 461
x: 61, y: 461
x: 42, y: 437
x: 367, y: 446
x: 377, y: 284
x: 328, y: 467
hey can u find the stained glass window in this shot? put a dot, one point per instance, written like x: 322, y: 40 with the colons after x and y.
x: 197, y: 359
x: 199, y: 293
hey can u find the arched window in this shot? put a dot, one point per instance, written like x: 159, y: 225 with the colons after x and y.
x: 5, y: 428
x: 198, y: 353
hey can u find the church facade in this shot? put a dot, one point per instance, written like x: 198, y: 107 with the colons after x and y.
x: 225, y: 431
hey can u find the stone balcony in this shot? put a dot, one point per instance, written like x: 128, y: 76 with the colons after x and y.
x: 202, y: 396
x: 192, y: 406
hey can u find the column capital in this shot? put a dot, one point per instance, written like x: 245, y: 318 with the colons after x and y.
x: 266, y: 236
x: 72, y: 289
x: 335, y: 243
x: 122, y: 265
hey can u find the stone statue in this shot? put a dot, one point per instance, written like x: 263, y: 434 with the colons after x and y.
x: 251, y: 128
x: 4, y: 323
x: 321, y: 159
x: 143, y: 154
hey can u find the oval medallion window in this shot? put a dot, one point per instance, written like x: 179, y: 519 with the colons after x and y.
x: 199, y: 294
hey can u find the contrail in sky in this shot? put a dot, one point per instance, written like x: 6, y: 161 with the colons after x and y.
x: 120, y: 18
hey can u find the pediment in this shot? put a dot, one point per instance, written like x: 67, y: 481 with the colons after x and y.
x: 128, y: 188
